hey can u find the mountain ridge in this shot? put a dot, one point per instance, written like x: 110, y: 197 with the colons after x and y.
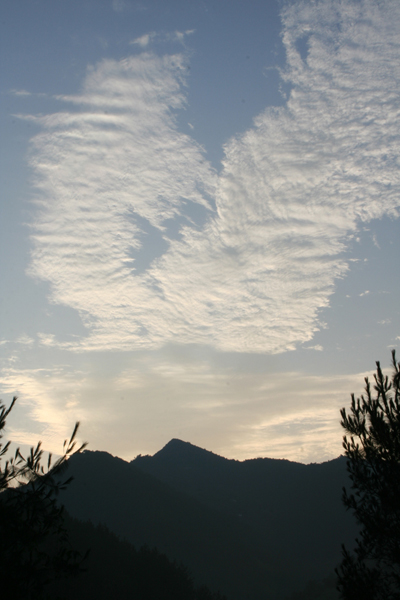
x: 243, y: 527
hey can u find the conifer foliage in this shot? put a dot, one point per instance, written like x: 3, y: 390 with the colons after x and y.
x: 34, y: 547
x: 372, y: 449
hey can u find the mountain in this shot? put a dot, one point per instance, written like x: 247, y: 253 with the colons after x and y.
x: 142, y: 510
x: 295, y: 509
x: 115, y: 569
x: 254, y: 529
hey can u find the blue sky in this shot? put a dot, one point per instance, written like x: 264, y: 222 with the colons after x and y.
x: 199, y: 224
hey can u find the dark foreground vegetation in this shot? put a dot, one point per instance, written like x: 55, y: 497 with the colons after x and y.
x: 261, y: 529
x: 114, y: 569
x: 372, y: 572
x: 34, y: 545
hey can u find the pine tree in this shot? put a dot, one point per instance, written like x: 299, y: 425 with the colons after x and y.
x: 34, y: 546
x: 372, y: 572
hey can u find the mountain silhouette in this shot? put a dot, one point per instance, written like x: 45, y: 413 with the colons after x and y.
x: 255, y: 529
x: 293, y: 510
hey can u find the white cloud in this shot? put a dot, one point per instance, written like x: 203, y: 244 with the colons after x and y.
x: 179, y: 36
x: 375, y: 241
x: 176, y: 36
x: 144, y: 40
x: 46, y: 339
x: 25, y: 340
x: 317, y: 347
x: 291, y: 192
x: 119, y: 5
x: 20, y: 93
x: 24, y: 93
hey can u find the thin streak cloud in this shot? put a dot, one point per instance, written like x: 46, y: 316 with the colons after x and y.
x: 154, y: 398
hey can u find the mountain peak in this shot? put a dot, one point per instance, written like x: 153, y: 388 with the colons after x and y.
x: 181, y: 452
x: 175, y: 442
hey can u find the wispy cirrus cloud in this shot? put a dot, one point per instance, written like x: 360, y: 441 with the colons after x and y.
x: 144, y: 40
x: 20, y: 93
x: 176, y: 36
x: 51, y: 396
x: 116, y: 178
x: 25, y: 93
x: 156, y: 396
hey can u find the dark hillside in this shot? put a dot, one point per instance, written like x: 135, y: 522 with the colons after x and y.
x: 255, y: 529
x: 145, y: 511
x: 295, y: 509
x: 115, y: 569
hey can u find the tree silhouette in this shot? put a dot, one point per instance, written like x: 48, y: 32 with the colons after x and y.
x: 34, y: 546
x: 373, y: 463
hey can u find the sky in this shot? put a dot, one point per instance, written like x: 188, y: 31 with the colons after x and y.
x: 199, y: 220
